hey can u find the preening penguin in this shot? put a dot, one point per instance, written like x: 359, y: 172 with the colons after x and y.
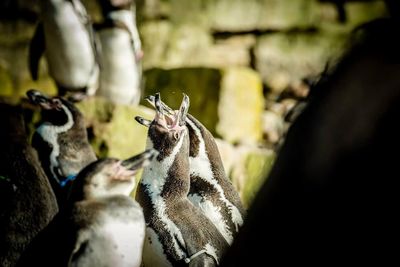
x: 102, y: 225
x: 27, y: 202
x: 177, y: 232
x: 65, y: 36
x: 210, y: 189
x: 121, y: 53
x: 61, y: 141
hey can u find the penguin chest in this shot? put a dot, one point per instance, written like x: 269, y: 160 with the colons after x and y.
x: 69, y: 51
x: 120, y: 77
x: 117, y: 243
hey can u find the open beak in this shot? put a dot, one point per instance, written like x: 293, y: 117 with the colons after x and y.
x: 143, y: 121
x: 37, y: 98
x: 167, y: 117
x: 183, y: 110
x: 140, y: 161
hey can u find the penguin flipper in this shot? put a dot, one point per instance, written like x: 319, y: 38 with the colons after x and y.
x: 36, y: 50
x: 82, y: 240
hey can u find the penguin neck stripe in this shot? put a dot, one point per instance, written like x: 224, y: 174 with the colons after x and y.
x: 50, y: 133
x: 200, y: 166
x: 154, y: 179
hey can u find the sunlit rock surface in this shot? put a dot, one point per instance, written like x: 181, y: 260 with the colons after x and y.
x: 247, y: 167
x: 113, y: 130
x: 283, y: 59
x: 228, y: 102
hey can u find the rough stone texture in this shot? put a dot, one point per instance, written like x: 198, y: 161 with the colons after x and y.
x: 238, y: 15
x: 200, y: 84
x: 113, y: 131
x: 6, y: 86
x: 14, y: 42
x: 240, y: 106
x: 228, y: 102
x: 257, y: 165
x: 362, y: 12
x: 284, y: 59
x: 191, y: 45
x: 356, y: 13
x: 247, y: 167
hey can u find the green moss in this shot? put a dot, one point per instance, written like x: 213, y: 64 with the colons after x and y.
x: 257, y: 168
x: 241, y: 106
x: 200, y: 84
x: 6, y: 86
x: 113, y: 131
x: 97, y: 109
x: 359, y: 12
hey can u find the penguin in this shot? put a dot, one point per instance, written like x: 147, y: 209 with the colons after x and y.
x: 27, y: 202
x: 177, y: 232
x: 61, y: 141
x: 101, y: 225
x: 66, y: 37
x: 121, y: 53
x: 210, y: 189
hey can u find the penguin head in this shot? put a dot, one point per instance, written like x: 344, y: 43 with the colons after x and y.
x: 55, y: 110
x: 168, y: 128
x: 109, y: 176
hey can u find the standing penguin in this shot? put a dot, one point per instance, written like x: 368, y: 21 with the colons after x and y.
x: 61, y: 141
x: 121, y: 52
x: 27, y: 202
x: 210, y: 189
x: 177, y: 232
x: 66, y: 37
x: 101, y: 226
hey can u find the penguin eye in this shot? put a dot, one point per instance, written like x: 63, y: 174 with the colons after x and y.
x: 176, y: 135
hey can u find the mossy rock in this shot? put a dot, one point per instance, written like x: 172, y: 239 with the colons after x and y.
x: 275, y: 54
x: 247, y: 166
x: 200, y: 84
x: 257, y: 165
x: 240, y: 107
x: 113, y: 131
x: 6, y: 86
x: 176, y: 44
x: 239, y: 15
x: 362, y: 12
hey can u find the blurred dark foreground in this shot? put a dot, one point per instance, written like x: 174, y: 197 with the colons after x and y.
x: 330, y: 198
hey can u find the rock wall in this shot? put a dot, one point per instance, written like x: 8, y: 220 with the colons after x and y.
x: 244, y: 64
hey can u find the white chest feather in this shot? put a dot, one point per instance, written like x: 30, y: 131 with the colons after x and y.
x: 120, y: 79
x: 200, y: 166
x: 213, y: 213
x: 129, y: 19
x: 50, y: 133
x: 154, y: 178
x: 114, y: 243
x: 69, y: 49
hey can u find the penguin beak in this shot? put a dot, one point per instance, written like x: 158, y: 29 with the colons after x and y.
x: 143, y: 121
x: 173, y: 119
x: 140, y: 161
x: 183, y: 110
x: 151, y: 99
x: 37, y: 98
